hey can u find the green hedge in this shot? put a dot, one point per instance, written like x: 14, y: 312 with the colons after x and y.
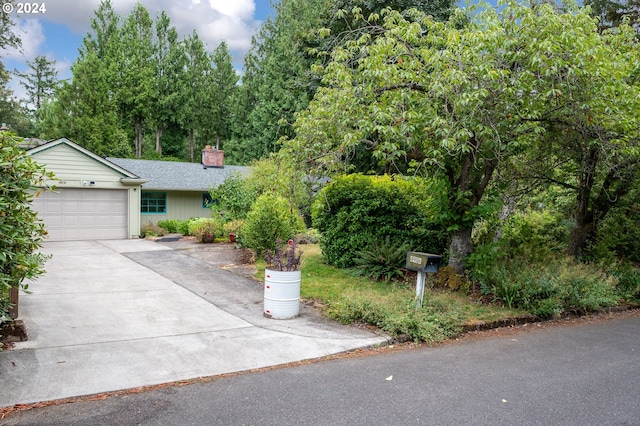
x: 355, y: 211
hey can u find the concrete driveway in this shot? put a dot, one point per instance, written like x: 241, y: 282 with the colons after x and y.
x: 112, y: 315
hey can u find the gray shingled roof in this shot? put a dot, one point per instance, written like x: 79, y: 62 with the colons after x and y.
x: 169, y: 175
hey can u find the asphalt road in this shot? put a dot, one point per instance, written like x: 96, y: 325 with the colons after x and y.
x: 585, y: 374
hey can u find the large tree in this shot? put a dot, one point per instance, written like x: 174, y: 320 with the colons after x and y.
x: 40, y: 81
x: 86, y: 112
x: 135, y: 78
x: 223, y: 92
x: 169, y: 61
x: 195, y: 90
x: 611, y: 13
x: 8, y: 38
x: 456, y: 99
x: 275, y: 84
x: 85, y: 108
x: 584, y: 101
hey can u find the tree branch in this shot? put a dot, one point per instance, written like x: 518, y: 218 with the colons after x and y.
x: 412, y: 86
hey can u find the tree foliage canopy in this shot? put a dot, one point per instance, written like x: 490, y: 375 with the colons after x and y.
x: 457, y: 99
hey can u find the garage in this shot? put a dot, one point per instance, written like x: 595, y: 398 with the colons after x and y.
x: 84, y: 214
x: 93, y: 198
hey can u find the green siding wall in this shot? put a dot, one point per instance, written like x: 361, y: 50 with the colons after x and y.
x: 181, y: 205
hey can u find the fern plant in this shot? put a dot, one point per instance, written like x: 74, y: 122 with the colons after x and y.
x: 382, y: 261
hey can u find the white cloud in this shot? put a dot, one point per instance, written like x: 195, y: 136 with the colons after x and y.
x: 214, y: 20
x: 238, y: 8
x: 32, y: 36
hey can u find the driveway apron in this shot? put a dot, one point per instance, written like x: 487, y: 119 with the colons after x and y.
x: 113, y: 315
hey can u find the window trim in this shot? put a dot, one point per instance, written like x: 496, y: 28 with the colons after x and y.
x: 207, y: 201
x: 142, y: 204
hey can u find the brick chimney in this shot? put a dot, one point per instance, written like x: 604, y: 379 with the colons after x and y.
x: 212, y: 157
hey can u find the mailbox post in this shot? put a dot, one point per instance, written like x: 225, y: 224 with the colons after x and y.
x: 422, y: 263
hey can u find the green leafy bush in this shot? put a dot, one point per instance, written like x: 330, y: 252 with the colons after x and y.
x: 233, y: 198
x: 618, y: 234
x: 271, y: 219
x: 382, y: 261
x: 170, y: 225
x: 233, y: 226
x: 280, y: 175
x: 151, y: 230
x: 204, y: 225
x: 628, y: 280
x: 183, y: 226
x: 355, y: 210
x: 310, y: 236
x: 535, y: 235
x: 549, y: 288
x: 22, y: 233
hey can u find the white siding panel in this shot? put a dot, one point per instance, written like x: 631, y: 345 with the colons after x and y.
x: 84, y: 214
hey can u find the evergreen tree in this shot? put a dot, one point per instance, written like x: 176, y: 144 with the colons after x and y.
x: 135, y: 79
x: 169, y: 61
x: 194, y: 91
x: 40, y: 83
x: 224, y: 80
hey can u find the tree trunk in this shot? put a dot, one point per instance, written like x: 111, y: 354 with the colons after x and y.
x: 191, y: 143
x: 138, y: 130
x: 158, y: 136
x: 585, y: 219
x: 460, y: 248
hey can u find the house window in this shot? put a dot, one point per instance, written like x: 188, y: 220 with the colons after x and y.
x: 153, y: 202
x: 207, y: 201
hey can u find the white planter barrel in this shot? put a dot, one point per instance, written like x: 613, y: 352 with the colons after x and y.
x: 281, y: 294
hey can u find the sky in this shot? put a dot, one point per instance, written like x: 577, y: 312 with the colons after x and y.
x: 58, y: 29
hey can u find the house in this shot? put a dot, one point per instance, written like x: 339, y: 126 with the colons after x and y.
x: 94, y: 198
x: 110, y: 198
x: 177, y: 190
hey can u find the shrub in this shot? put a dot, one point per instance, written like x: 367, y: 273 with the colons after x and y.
x: 628, y: 281
x: 183, y: 226
x: 200, y: 226
x: 286, y: 259
x: 270, y: 219
x: 170, y: 225
x: 549, y: 288
x: 618, y: 234
x: 382, y: 261
x: 535, y: 235
x: 233, y: 198
x: 355, y: 210
x: 151, y: 230
x: 310, y: 236
x: 22, y: 232
x: 279, y: 175
x: 233, y: 227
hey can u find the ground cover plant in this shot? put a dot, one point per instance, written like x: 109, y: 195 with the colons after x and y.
x: 527, y: 268
x: 390, y: 306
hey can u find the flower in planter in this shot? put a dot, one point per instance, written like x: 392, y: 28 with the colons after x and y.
x: 283, y: 259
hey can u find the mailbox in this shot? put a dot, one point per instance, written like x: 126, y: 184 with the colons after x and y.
x: 423, y: 262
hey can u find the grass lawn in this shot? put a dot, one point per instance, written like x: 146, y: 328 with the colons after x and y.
x: 389, y: 306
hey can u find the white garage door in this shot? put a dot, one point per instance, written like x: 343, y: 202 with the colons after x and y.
x: 83, y: 214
